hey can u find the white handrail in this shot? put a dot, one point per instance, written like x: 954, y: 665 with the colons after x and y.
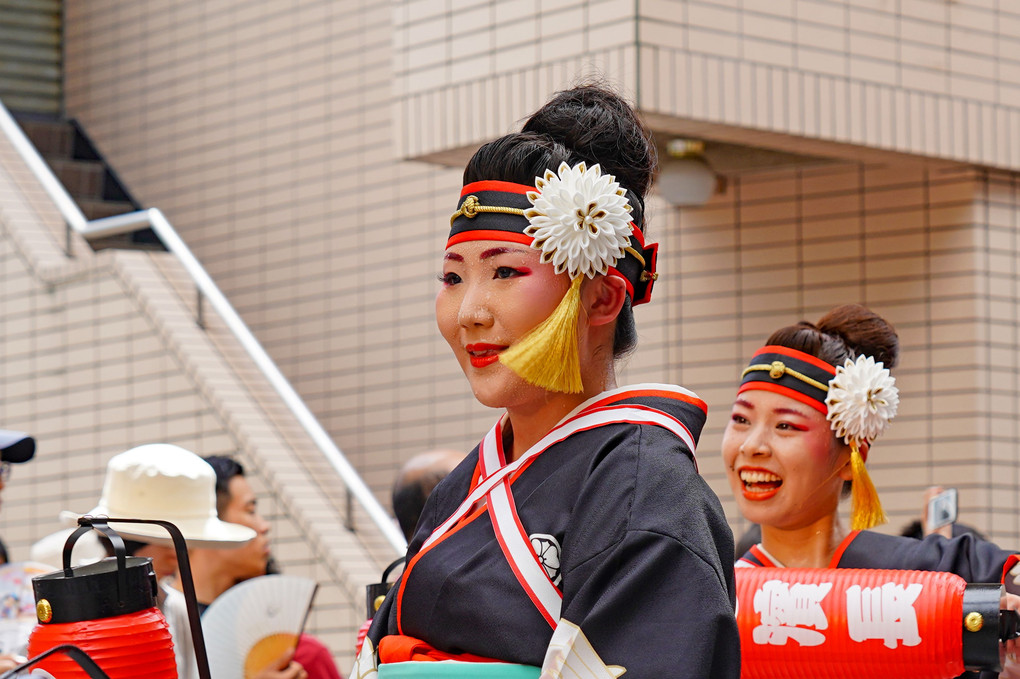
x: 168, y: 235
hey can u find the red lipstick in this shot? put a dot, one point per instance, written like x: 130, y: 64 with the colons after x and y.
x: 483, y: 354
x: 758, y: 484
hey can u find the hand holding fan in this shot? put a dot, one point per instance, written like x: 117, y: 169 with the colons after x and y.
x: 253, y: 623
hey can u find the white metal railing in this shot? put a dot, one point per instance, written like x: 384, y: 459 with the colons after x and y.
x: 207, y: 289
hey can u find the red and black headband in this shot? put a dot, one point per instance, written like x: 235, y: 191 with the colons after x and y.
x: 494, y: 210
x: 789, y: 372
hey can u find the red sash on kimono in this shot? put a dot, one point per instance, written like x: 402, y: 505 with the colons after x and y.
x: 497, y: 477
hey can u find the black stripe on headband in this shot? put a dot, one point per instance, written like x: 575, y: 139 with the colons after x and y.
x: 790, y: 370
x: 493, y: 210
x: 471, y: 219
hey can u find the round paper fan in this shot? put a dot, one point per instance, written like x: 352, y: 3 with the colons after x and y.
x: 253, y: 623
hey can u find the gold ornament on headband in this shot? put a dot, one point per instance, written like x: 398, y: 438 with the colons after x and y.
x: 862, y: 400
x: 580, y: 221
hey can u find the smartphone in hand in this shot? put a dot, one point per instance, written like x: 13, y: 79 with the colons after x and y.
x: 942, y: 510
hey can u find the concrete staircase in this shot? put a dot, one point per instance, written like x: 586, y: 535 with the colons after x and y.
x: 30, y: 56
x: 31, y: 60
x: 92, y: 183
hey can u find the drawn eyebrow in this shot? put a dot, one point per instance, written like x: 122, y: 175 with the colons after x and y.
x: 492, y: 252
x: 453, y: 257
x: 789, y: 411
x: 781, y: 411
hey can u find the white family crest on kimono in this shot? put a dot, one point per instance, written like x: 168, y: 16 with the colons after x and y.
x: 795, y: 612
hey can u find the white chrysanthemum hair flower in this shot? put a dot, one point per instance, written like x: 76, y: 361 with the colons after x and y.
x: 580, y: 219
x: 862, y: 399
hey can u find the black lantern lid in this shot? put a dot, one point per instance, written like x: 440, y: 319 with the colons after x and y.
x: 98, y: 590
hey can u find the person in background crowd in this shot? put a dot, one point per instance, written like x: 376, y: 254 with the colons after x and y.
x: 809, y: 407
x: 215, y: 571
x: 167, y: 482
x: 415, y: 482
x: 918, y: 528
x: 15, y: 447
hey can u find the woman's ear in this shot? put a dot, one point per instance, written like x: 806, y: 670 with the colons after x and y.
x: 606, y: 295
x: 846, y: 471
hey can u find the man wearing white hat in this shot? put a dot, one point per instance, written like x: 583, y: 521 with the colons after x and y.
x: 167, y: 482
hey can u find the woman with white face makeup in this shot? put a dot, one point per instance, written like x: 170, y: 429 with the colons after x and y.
x: 578, y: 536
x: 810, y: 404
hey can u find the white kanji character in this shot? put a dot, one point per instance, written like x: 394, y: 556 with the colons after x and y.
x: 787, y: 611
x: 885, y: 613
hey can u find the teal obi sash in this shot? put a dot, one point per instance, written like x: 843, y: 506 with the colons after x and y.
x: 451, y: 669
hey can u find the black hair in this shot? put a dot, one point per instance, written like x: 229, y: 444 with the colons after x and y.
x: 587, y: 123
x: 409, y: 497
x: 226, y: 468
x: 848, y: 331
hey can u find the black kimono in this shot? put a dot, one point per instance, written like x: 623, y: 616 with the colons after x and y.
x: 973, y: 559
x: 626, y: 531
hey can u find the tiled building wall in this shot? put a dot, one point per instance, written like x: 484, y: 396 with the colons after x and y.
x: 920, y: 76
x: 934, y: 252
x: 272, y: 136
x: 264, y: 131
x: 101, y: 353
x: 926, y: 77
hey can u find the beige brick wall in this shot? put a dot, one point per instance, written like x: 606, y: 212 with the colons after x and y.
x: 933, y: 252
x: 273, y: 137
x: 102, y: 353
x: 926, y: 77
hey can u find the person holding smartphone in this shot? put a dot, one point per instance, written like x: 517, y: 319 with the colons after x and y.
x: 810, y: 404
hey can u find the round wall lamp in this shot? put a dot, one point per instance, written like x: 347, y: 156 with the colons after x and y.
x: 685, y: 177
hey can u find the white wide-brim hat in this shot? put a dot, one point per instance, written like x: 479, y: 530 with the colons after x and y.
x: 167, y: 482
x: 50, y: 549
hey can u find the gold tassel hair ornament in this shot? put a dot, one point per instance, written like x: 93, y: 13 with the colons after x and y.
x: 862, y: 400
x: 580, y: 221
x: 548, y: 356
x: 866, y: 509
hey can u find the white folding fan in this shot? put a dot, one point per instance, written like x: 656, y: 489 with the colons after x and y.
x: 253, y: 623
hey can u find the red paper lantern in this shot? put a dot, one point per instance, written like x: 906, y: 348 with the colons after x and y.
x: 107, y: 609
x: 848, y: 623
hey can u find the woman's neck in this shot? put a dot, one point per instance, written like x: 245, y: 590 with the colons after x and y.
x: 528, y: 425
x: 811, y: 546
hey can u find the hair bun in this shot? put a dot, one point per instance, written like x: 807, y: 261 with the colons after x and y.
x: 598, y: 126
x: 863, y: 331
